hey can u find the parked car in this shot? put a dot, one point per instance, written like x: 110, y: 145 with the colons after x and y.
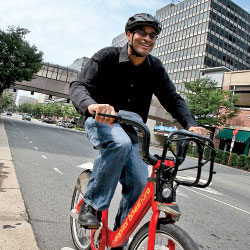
x: 9, y: 113
x: 59, y: 123
x: 26, y: 117
x: 69, y: 124
x: 48, y: 120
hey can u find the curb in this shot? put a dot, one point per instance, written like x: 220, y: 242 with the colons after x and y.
x: 15, y: 231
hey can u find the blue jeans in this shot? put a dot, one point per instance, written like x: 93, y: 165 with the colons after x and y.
x: 118, y: 160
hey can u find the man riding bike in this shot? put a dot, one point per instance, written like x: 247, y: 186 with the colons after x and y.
x: 123, y: 78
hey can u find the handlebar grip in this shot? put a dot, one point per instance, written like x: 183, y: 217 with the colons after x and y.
x: 116, y: 117
x: 94, y: 114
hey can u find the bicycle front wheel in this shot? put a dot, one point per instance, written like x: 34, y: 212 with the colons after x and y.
x: 81, y: 237
x: 167, y: 237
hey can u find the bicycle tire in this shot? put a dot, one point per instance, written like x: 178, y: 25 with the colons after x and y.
x: 164, y: 233
x: 81, y: 237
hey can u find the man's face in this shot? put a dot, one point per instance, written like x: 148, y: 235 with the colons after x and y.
x: 143, y: 40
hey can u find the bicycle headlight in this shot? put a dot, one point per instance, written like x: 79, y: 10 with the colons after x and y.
x: 166, y: 192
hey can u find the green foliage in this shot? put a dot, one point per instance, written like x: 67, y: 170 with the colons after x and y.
x: 219, y: 156
x: 247, y: 163
x: 25, y: 108
x: 209, y: 105
x: 207, y: 153
x: 241, y: 161
x: 18, y: 59
x: 70, y: 111
x: 233, y: 160
x: 53, y: 109
x: 37, y: 110
x: 49, y: 110
x: 225, y: 157
x: 7, y: 101
x: 222, y: 157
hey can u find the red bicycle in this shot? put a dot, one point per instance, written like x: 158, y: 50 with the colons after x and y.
x: 159, y: 195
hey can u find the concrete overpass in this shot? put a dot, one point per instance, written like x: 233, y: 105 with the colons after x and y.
x: 55, y: 79
x: 50, y: 80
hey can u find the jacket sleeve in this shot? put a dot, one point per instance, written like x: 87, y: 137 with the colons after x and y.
x: 166, y: 93
x: 81, y: 90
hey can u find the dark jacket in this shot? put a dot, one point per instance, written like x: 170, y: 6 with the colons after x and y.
x: 109, y: 77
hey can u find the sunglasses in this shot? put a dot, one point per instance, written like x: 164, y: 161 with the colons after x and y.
x: 143, y: 33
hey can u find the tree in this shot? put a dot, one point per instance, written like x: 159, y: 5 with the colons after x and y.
x: 37, y: 110
x: 70, y: 111
x: 19, y: 60
x: 57, y: 108
x: 7, y: 101
x: 25, y: 108
x: 210, y: 106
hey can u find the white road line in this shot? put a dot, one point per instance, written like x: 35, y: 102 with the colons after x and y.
x: 30, y: 141
x: 27, y: 138
x: 207, y: 189
x: 44, y: 157
x: 185, y: 177
x: 87, y: 165
x: 36, y: 148
x: 182, y: 194
x: 58, y: 171
x: 13, y: 123
x: 218, y: 201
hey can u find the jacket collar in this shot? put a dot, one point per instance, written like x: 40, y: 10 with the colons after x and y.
x: 124, y: 56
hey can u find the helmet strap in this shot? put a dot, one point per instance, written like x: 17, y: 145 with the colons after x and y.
x: 132, y: 47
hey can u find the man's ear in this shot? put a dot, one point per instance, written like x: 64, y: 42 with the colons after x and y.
x: 129, y: 36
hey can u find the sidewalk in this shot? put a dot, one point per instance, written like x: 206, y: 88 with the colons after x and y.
x: 15, y: 230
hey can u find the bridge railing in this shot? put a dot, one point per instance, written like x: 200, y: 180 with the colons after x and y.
x: 58, y: 73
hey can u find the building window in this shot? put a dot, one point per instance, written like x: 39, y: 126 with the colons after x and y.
x: 244, y: 95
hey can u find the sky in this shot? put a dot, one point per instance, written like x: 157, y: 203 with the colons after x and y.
x: 66, y: 30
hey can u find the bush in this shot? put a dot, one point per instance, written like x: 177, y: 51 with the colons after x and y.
x: 241, y: 161
x: 219, y: 156
x: 192, y: 150
x: 225, y: 157
x: 207, y: 153
x: 247, y: 163
x: 233, y: 160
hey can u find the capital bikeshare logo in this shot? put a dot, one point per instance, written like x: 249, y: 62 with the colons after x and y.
x: 132, y: 213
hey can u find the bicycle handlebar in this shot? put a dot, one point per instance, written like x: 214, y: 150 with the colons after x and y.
x: 133, y: 119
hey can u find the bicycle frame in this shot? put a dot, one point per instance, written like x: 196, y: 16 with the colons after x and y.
x: 145, y: 201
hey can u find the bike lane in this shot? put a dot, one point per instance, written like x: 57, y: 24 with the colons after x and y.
x: 15, y: 230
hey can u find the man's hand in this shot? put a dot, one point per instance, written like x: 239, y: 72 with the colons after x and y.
x: 105, y: 109
x: 198, y: 130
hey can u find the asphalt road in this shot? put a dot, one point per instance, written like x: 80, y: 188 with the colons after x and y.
x: 47, y: 160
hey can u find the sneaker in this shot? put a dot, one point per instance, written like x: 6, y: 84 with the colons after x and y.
x: 87, y: 217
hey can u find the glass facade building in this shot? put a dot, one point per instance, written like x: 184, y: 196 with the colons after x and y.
x: 199, y: 34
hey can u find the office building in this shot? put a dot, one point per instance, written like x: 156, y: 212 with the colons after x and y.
x: 79, y: 63
x: 26, y: 99
x: 199, y: 34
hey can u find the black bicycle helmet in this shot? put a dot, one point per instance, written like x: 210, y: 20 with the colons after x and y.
x: 141, y: 20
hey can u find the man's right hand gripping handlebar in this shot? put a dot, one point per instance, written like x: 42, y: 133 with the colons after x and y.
x: 103, y: 109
